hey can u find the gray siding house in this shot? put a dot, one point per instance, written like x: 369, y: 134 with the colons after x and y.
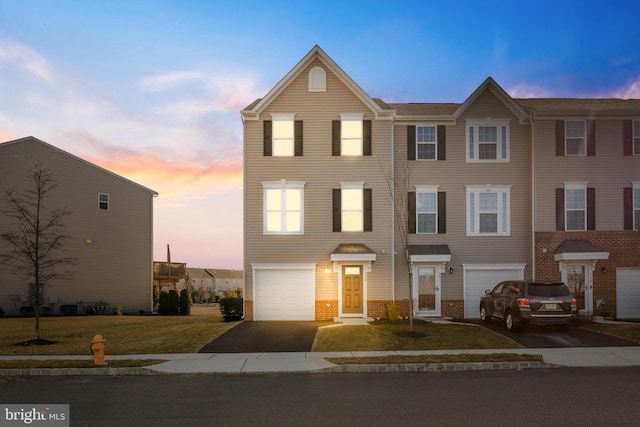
x: 109, y: 231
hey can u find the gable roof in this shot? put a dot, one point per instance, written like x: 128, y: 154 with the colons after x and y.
x: 252, y: 111
x: 491, y: 85
x: 36, y: 140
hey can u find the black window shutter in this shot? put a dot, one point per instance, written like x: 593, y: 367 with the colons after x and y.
x: 442, y: 142
x: 442, y: 212
x: 591, y: 137
x: 366, y: 137
x: 337, y: 210
x: 591, y: 208
x: 559, y: 209
x: 335, y: 138
x: 411, y: 199
x: 411, y: 142
x: 297, y: 139
x: 628, y: 208
x: 368, y: 209
x: 627, y: 137
x: 267, y: 138
x: 559, y: 137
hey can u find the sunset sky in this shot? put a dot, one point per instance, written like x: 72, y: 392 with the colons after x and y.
x: 152, y: 90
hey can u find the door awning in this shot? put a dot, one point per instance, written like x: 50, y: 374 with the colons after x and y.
x: 579, y: 250
x: 429, y: 253
x: 353, y: 252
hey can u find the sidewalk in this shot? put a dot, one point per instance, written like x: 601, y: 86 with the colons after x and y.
x: 246, y: 363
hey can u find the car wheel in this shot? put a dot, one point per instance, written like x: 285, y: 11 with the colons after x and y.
x: 510, y: 322
x: 484, y: 316
x: 562, y: 328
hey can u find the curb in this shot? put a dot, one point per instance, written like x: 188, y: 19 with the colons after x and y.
x: 348, y: 368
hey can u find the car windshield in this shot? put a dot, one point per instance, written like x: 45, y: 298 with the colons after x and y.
x: 548, y: 290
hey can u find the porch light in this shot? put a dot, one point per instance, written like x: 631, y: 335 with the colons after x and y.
x: 326, y: 269
x: 450, y: 270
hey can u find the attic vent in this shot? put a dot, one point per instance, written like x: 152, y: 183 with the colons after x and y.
x: 317, y: 80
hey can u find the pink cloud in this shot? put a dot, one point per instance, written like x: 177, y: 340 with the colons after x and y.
x: 632, y: 91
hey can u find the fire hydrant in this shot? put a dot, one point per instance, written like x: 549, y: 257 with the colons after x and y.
x: 97, y: 350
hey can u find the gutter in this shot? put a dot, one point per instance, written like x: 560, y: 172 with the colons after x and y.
x: 533, y: 196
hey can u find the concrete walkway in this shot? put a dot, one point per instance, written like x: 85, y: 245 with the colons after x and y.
x: 233, y: 363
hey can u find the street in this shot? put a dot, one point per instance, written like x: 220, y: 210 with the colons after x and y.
x: 595, y: 396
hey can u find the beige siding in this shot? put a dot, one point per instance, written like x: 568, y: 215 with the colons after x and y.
x: 609, y: 171
x: 322, y: 173
x: 116, y: 266
x: 452, y: 176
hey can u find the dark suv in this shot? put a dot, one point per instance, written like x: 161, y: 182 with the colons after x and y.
x: 518, y: 302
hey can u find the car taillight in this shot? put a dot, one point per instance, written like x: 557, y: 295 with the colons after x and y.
x: 574, y: 304
x: 524, y: 302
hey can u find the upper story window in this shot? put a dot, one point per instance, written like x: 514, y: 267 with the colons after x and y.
x: 426, y: 143
x: 488, y: 140
x: 575, y: 138
x: 636, y: 137
x: 488, y: 210
x: 103, y: 201
x: 352, y: 207
x: 282, y: 136
x: 636, y: 207
x: 283, y: 207
x: 426, y: 210
x: 575, y: 207
x: 351, y: 135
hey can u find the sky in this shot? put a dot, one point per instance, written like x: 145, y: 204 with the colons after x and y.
x: 152, y: 90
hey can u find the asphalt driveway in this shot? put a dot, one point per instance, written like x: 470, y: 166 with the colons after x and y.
x: 263, y: 336
x: 532, y: 336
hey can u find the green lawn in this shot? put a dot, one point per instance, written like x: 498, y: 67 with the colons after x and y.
x: 394, y: 337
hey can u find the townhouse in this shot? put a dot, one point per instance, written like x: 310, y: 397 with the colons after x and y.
x: 352, y: 204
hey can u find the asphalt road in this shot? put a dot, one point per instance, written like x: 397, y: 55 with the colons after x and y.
x: 532, y: 336
x: 537, y: 397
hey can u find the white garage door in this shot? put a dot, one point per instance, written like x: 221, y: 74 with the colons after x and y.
x: 284, y: 294
x: 477, y: 281
x: 628, y: 293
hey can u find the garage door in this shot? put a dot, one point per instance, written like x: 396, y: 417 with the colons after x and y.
x: 476, y: 281
x: 284, y: 294
x: 628, y: 293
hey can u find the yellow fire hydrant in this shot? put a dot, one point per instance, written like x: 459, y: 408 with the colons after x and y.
x: 97, y: 350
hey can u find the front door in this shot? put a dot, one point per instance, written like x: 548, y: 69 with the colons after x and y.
x: 352, y: 290
x: 427, y: 291
x: 579, y: 282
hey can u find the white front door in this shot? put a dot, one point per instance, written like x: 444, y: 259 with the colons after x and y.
x: 426, y: 290
x: 579, y: 278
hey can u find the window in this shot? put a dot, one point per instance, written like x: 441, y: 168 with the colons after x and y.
x: 488, y: 140
x: 426, y: 210
x: 283, y: 134
x: 488, y: 210
x: 636, y: 137
x: 103, y: 201
x: 352, y: 207
x: 575, y: 208
x: 351, y: 135
x: 636, y: 208
x: 283, y: 207
x: 575, y: 138
x: 426, y: 142
x: 317, y: 80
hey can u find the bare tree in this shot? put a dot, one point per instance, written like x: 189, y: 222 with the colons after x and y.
x: 399, y: 191
x: 33, y: 247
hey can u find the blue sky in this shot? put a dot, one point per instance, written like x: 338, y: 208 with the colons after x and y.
x: 152, y: 89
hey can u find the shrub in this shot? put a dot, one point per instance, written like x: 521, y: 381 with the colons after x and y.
x: 168, y: 303
x: 69, y: 309
x: 185, y: 303
x: 231, y: 309
x: 1, y: 312
x: 392, y: 311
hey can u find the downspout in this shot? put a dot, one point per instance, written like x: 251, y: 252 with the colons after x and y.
x: 533, y: 196
x: 393, y: 215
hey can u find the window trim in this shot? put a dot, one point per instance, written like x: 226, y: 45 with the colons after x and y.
x: 282, y: 185
x: 635, y: 138
x: 434, y: 143
x: 503, y: 212
x: 352, y: 117
x: 635, y: 205
x: 427, y: 189
x: 351, y: 186
x: 503, y: 139
x: 584, y: 138
x: 288, y: 118
x: 107, y: 202
x: 575, y: 185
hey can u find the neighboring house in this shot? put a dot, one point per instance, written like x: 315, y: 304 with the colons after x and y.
x: 109, y: 231
x: 226, y: 283
x: 202, y: 284
x: 169, y: 276
x: 490, y: 189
